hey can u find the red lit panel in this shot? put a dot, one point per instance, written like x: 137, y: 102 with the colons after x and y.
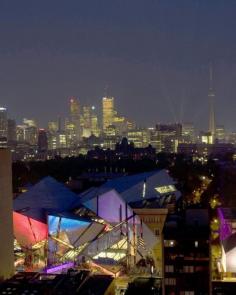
x: 28, y: 231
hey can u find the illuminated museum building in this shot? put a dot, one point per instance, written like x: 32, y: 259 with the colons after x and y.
x: 224, y: 252
x: 227, y: 219
x: 99, y: 229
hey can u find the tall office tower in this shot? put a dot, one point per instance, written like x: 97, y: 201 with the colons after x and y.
x: 75, y: 117
x: 86, y: 121
x: 121, y: 126
x: 89, y: 122
x: 61, y: 140
x: 31, y: 135
x: 140, y: 137
x: 29, y: 122
x: 155, y: 140
x: 42, y: 140
x: 87, y: 110
x: 220, y: 134
x: 52, y: 126
x: 70, y: 133
x: 211, y: 98
x: 108, y: 112
x: 52, y: 135
x: 170, y: 135
x: 11, y: 130
x: 3, y: 127
x: 52, y: 141
x: 188, y: 133
x: 6, y: 222
x: 61, y: 125
x: 27, y: 132
x: 94, y: 123
x: 20, y: 133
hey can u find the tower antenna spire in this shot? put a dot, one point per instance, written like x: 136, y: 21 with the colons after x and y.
x: 210, y: 76
x: 211, y: 99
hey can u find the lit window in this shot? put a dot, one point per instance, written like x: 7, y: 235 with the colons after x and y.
x: 170, y: 281
x: 169, y: 268
x: 157, y: 233
x: 165, y: 189
x: 169, y: 243
x: 188, y: 268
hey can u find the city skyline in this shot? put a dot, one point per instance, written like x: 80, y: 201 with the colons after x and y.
x: 97, y: 104
x: 98, y: 111
x: 154, y: 58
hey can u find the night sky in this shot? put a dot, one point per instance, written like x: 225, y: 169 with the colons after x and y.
x: 153, y: 55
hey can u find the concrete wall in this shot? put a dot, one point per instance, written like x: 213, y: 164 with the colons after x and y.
x: 6, y: 222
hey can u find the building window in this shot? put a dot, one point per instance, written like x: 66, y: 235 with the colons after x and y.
x: 169, y: 268
x: 188, y: 268
x: 169, y: 243
x: 170, y: 281
x: 157, y: 233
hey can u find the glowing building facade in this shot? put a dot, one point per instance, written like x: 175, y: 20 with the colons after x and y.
x: 89, y: 122
x: 75, y: 118
x: 97, y: 229
x: 107, y: 112
x: 227, y: 228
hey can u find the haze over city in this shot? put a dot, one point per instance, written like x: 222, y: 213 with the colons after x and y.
x: 152, y: 55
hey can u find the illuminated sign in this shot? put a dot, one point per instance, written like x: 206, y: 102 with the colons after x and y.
x: 165, y: 189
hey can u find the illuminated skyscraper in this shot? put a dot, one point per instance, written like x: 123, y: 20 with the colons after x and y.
x: 211, y: 98
x: 89, y: 121
x: 86, y: 121
x: 75, y: 118
x: 108, y: 112
x: 28, y: 132
x: 53, y: 126
x: 20, y: 133
x: 3, y: 127
x: 29, y: 122
x: 170, y: 135
x: 31, y: 135
x: 70, y: 133
x: 220, y: 134
x: 94, y: 122
x: 188, y: 133
x: 11, y: 130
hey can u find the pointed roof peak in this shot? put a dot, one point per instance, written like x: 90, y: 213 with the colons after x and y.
x: 47, y: 194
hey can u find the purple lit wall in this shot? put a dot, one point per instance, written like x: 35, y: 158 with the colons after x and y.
x: 225, y: 228
x: 59, y: 268
x: 111, y: 207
